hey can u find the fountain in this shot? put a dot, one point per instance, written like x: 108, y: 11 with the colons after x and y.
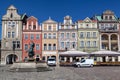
x: 30, y: 65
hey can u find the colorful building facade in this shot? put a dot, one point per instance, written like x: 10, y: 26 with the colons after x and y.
x: 67, y: 34
x: 11, y: 50
x: 49, y: 39
x: 108, y: 26
x: 88, y: 35
x: 32, y: 32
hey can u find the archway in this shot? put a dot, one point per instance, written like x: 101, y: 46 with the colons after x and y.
x: 105, y: 41
x: 104, y: 37
x: 10, y: 59
x: 114, y: 42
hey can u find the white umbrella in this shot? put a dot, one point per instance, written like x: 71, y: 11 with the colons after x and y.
x: 73, y: 53
x: 105, y: 53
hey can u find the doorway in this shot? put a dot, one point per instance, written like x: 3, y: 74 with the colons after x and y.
x: 10, y: 59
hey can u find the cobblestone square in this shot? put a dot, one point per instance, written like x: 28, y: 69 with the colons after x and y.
x: 64, y: 73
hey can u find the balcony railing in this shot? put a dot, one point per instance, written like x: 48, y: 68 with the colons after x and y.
x: 108, y: 28
x: 105, y: 41
x: 114, y: 41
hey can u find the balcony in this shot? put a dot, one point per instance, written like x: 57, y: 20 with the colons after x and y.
x: 104, y: 41
x: 108, y: 29
x: 114, y: 41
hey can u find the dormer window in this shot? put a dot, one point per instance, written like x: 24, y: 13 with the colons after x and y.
x: 30, y: 27
x: 106, y: 17
x: 49, y: 28
x: 110, y: 17
x: 87, y: 25
x: 34, y: 27
x: 11, y: 15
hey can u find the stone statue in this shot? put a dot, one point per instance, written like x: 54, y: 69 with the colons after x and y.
x: 31, y: 50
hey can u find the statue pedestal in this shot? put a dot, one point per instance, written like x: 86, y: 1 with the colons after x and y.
x: 31, y: 60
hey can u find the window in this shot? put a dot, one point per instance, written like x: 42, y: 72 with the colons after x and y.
x: 30, y: 27
x: 34, y: 27
x: 45, y: 46
x: 94, y: 43
x: 94, y: 34
x: 62, y: 44
x: 11, y: 15
x: 106, y: 17
x: 37, y: 47
x: 54, y: 46
x: 73, y: 44
x: 9, y: 34
x: 45, y: 35
x: 16, y: 44
x: 13, y: 34
x: 81, y: 43
x: 62, y: 35
x: 68, y: 35
x: 26, y: 46
x: 81, y: 34
x: 73, y: 35
x: 88, y: 34
x: 68, y: 44
x: 9, y: 23
x: 49, y: 28
x: 88, y: 43
x: 13, y: 24
x: 54, y: 35
x: 49, y: 35
x: 37, y: 36
x: 31, y: 36
x: 26, y: 36
x: 87, y: 25
x: 110, y: 17
x: 49, y: 47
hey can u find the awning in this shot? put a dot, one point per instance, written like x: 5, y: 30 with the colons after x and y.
x: 73, y: 53
x: 105, y: 53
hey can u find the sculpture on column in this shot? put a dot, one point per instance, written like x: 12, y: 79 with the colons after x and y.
x: 31, y: 50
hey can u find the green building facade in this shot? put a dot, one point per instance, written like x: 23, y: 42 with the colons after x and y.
x: 88, y: 35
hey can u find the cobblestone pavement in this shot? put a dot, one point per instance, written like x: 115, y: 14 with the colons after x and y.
x: 64, y: 73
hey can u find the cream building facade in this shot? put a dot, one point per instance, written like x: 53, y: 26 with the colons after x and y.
x: 49, y: 39
x: 11, y: 50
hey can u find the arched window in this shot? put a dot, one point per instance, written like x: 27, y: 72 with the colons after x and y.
x: 45, y: 46
x: 49, y: 47
x: 54, y: 46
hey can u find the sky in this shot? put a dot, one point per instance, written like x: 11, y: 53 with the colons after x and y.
x: 58, y: 9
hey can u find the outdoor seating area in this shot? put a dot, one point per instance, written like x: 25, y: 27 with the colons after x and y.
x: 102, y: 57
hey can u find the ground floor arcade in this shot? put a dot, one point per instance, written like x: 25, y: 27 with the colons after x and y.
x: 9, y: 57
